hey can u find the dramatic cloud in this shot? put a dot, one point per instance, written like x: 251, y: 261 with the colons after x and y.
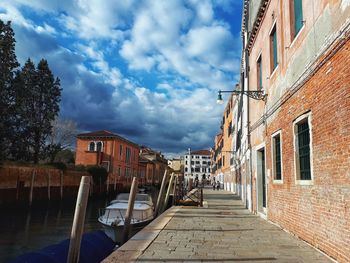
x: 147, y: 69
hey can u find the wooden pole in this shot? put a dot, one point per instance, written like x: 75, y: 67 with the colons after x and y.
x: 115, y: 182
x: 49, y: 185
x: 18, y: 184
x: 174, y: 191
x: 61, y: 184
x: 78, y: 221
x: 107, y: 183
x: 31, y: 187
x: 166, y: 199
x: 130, y: 209
x: 201, y: 204
x: 161, y: 193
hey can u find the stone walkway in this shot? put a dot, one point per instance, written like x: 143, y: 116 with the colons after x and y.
x: 222, y: 231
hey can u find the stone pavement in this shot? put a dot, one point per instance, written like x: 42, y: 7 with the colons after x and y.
x: 221, y: 231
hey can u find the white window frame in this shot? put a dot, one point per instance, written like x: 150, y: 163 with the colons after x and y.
x: 298, y: 181
x: 94, y: 146
x: 273, y: 157
x: 102, y: 146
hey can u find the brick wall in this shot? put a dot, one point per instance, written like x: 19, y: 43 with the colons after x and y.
x: 319, y: 213
x: 15, y: 183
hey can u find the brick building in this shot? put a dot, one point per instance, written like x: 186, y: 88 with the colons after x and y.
x: 297, y: 142
x: 154, y: 165
x: 223, y: 158
x: 118, y: 155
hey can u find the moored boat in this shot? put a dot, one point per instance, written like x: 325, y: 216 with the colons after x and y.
x: 112, y: 217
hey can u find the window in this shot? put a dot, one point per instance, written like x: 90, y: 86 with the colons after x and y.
x: 259, y: 73
x: 303, y: 150
x: 273, y: 49
x: 121, y: 152
x: 92, y: 146
x: 296, y: 16
x: 277, y: 157
x: 127, y: 154
x: 127, y: 172
x: 186, y: 169
x: 99, y: 146
x: 197, y: 169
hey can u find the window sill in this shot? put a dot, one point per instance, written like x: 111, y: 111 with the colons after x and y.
x: 297, y: 36
x: 274, y: 71
x: 304, y: 182
x: 277, y: 181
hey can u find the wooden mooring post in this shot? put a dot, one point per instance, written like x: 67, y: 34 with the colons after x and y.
x: 78, y: 221
x: 128, y: 215
x: 161, y: 194
x: 61, y: 184
x: 166, y: 199
x: 31, y: 187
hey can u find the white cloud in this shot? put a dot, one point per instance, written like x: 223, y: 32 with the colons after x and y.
x: 181, y: 42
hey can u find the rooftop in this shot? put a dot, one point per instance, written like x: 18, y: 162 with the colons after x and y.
x: 105, y: 134
x: 201, y: 152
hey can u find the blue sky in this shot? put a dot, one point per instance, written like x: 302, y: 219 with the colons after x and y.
x: 148, y: 70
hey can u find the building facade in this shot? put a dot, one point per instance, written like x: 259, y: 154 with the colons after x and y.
x: 118, y: 155
x: 197, y: 164
x: 298, y: 138
x: 155, y: 165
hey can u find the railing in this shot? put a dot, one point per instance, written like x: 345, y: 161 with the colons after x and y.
x: 105, y: 215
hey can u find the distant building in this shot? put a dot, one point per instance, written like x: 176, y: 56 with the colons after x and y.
x: 153, y: 164
x: 118, y: 155
x: 176, y: 164
x: 197, y: 164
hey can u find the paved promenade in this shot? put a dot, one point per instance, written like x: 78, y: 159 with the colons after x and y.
x: 222, y: 231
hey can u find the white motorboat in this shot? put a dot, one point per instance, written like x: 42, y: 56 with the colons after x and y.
x: 112, y: 217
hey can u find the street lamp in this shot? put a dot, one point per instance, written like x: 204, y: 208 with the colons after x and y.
x: 254, y: 94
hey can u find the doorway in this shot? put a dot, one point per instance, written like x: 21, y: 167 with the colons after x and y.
x: 261, y: 181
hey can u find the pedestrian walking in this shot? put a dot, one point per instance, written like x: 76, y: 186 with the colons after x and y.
x: 217, y: 185
x: 214, y: 184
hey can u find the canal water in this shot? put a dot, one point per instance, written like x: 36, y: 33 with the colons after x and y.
x: 23, y: 230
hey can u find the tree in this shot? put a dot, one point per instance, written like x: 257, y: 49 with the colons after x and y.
x: 37, y: 97
x: 8, y: 63
x: 62, y: 136
x: 47, y: 94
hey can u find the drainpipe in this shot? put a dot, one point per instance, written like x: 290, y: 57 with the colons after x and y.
x: 248, y: 112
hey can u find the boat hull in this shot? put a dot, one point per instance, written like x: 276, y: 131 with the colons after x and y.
x: 116, y: 232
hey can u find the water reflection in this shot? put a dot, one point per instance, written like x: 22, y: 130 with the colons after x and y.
x: 23, y: 230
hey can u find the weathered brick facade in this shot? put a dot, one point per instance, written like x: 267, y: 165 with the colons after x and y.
x: 318, y: 213
x: 308, y: 84
x: 118, y: 155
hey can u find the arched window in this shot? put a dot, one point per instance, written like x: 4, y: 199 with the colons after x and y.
x: 99, y: 146
x: 92, y: 146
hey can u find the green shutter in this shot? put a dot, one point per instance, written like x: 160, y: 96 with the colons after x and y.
x: 298, y: 16
x: 304, y: 151
x: 278, y: 166
x: 275, y: 53
x: 260, y: 73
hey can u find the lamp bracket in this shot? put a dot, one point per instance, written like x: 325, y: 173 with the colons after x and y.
x: 254, y: 94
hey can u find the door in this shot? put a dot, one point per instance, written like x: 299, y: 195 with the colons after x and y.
x: 261, y: 181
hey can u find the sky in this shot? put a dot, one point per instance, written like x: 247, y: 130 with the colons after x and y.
x: 148, y: 70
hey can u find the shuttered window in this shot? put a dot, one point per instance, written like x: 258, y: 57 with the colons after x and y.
x: 298, y: 16
x: 277, y: 159
x: 259, y: 73
x: 274, y: 53
x: 304, y: 150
